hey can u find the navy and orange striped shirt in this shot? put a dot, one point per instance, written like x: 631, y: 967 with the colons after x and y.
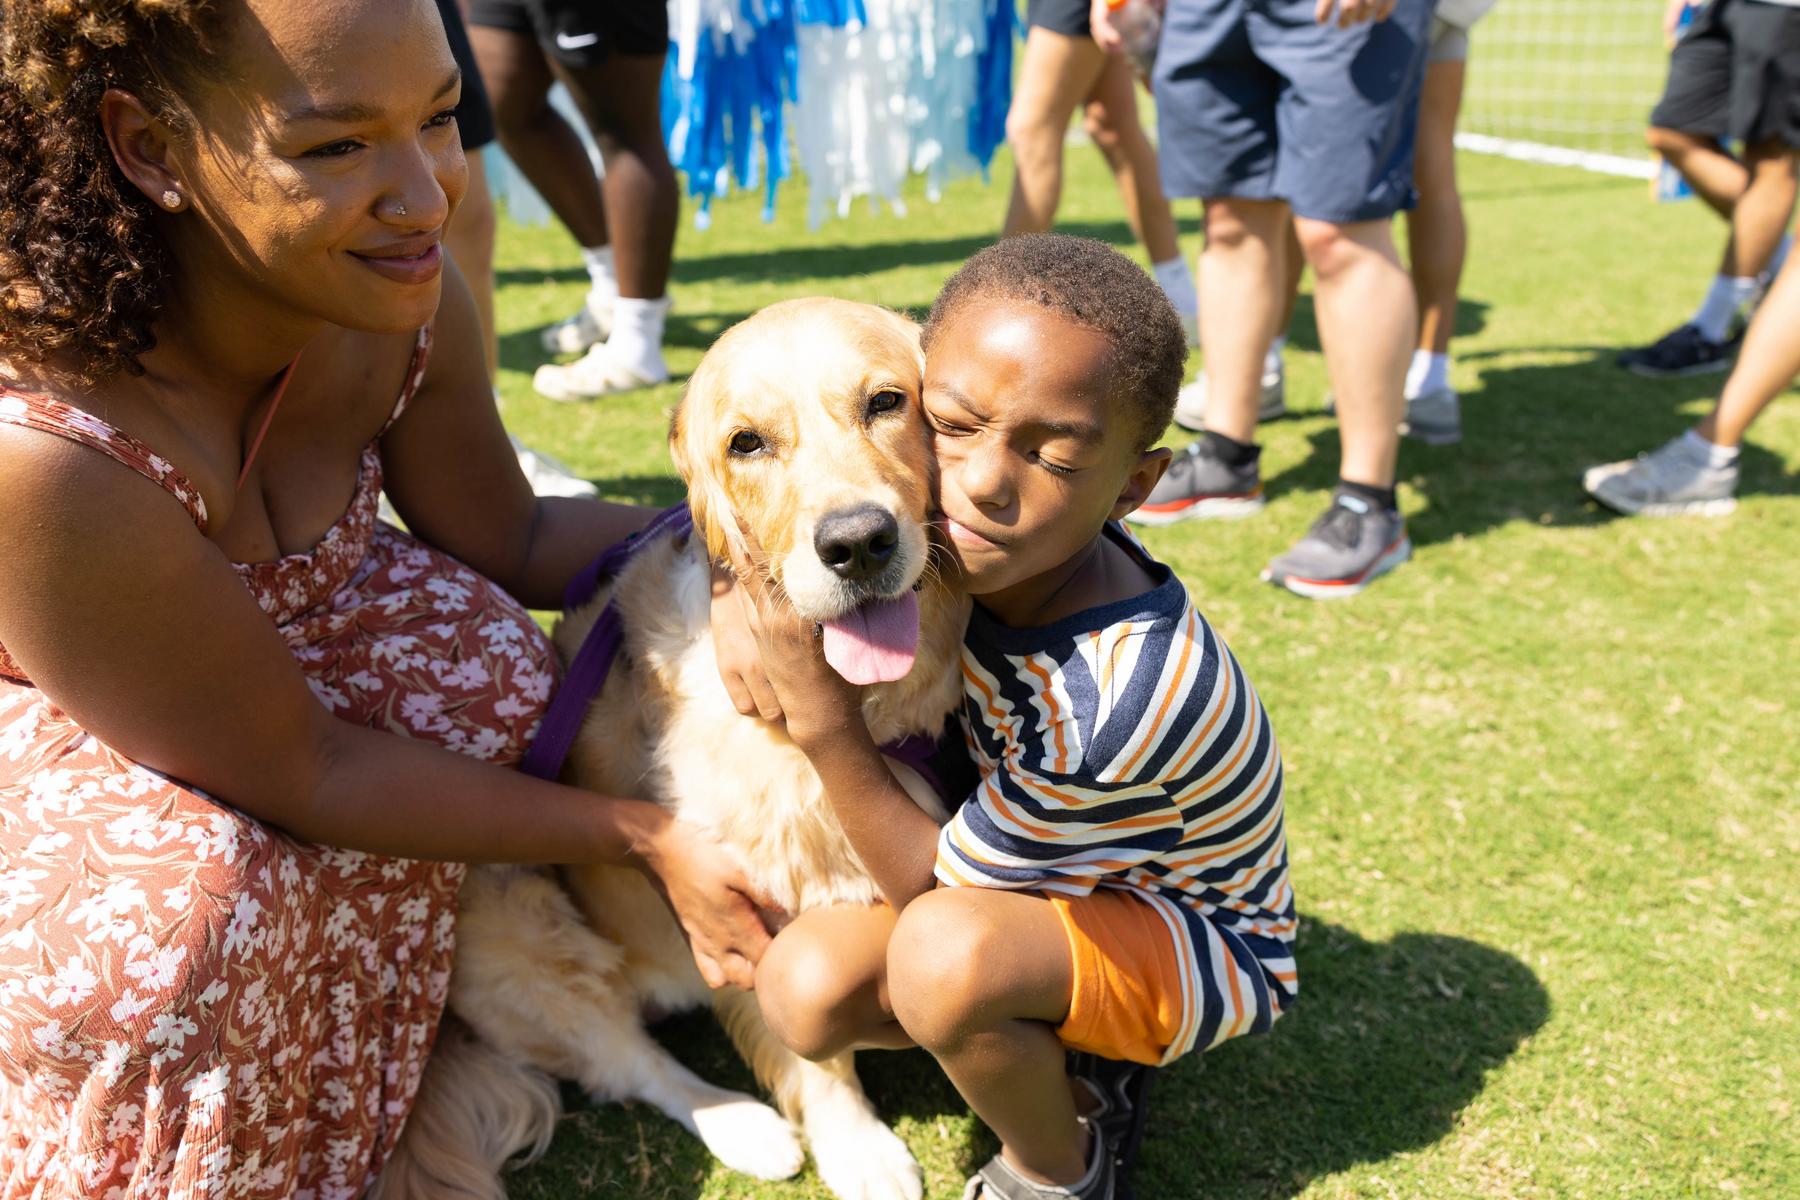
x: 1123, y: 747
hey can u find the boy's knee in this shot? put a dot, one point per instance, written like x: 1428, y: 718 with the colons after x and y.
x: 803, y: 993
x: 940, y: 968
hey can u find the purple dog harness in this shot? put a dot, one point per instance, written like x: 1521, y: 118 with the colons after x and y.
x: 593, y: 662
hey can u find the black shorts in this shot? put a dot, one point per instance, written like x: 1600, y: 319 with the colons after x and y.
x: 581, y: 33
x: 1735, y: 75
x: 1068, y: 17
x: 474, y: 115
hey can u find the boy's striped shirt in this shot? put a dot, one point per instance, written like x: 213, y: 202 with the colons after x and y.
x: 1123, y: 747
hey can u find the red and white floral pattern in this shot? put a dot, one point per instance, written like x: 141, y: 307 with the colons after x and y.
x: 193, y: 1003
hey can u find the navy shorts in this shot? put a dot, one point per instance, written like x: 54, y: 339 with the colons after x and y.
x: 1254, y: 99
x: 1735, y: 74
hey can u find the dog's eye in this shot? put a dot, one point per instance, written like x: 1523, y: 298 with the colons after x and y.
x: 745, y: 442
x: 885, y: 402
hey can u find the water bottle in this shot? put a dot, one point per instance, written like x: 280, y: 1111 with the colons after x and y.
x: 1139, y: 24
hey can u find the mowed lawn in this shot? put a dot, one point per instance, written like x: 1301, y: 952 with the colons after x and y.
x: 1541, y: 782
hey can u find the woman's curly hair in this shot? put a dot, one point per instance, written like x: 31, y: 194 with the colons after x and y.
x: 82, y: 268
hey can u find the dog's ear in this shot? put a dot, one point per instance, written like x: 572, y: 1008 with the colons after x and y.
x: 706, y: 497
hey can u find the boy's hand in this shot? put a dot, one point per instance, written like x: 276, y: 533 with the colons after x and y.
x: 738, y: 655
x: 813, y: 698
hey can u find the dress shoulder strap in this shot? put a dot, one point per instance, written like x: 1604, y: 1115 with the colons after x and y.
x: 415, y: 375
x: 66, y: 421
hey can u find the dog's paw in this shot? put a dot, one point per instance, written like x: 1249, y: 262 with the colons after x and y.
x: 750, y: 1137
x: 859, y: 1158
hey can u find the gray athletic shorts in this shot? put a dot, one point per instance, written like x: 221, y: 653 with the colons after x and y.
x: 1449, y: 43
x: 1254, y: 99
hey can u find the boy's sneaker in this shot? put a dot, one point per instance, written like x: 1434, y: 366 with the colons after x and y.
x: 1434, y: 417
x: 998, y: 1181
x: 1199, y: 485
x: 1347, y: 549
x: 1190, y: 402
x: 1683, y: 351
x: 1121, y: 1092
x: 591, y: 324
x: 1670, y: 481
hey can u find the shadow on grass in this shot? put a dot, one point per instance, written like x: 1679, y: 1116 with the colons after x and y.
x: 1388, y: 1043
x: 1529, y: 431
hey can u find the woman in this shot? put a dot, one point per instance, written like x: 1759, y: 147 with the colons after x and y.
x: 220, y: 291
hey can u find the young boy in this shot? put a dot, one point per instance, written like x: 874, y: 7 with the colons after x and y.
x: 1117, y: 884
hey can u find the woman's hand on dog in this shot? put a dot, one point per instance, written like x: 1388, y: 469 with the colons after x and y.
x: 718, y: 907
x: 739, y: 656
x: 812, y: 698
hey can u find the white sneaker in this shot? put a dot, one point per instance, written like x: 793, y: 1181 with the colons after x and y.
x: 1670, y: 481
x: 596, y: 373
x: 591, y: 324
x: 548, y: 477
x: 1190, y: 402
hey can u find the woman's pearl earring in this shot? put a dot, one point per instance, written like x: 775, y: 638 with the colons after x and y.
x: 171, y: 199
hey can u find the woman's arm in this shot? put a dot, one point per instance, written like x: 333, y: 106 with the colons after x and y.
x: 454, y: 478
x: 136, y: 625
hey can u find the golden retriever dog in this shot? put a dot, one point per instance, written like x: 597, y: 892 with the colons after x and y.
x: 802, y: 426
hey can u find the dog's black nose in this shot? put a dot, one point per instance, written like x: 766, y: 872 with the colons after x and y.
x: 857, y: 544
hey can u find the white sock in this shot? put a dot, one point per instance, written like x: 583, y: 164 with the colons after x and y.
x: 1272, y: 359
x: 1428, y: 373
x: 1178, y: 285
x: 602, y: 283
x: 1724, y: 298
x: 1706, y: 452
x: 637, y: 332
x: 1779, y: 259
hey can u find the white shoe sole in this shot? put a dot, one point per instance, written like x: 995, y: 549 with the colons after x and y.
x: 1340, y: 589
x: 1220, y: 508
x: 1723, y: 506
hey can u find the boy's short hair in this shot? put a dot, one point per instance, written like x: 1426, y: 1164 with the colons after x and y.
x: 1095, y: 286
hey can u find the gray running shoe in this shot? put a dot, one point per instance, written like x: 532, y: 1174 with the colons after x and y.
x: 1434, y: 417
x: 1199, y: 485
x: 1190, y: 402
x: 1347, y: 548
x: 1670, y: 481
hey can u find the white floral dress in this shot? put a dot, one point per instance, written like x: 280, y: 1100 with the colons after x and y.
x: 193, y: 1003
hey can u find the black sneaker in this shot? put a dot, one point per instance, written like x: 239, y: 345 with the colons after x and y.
x: 1684, y: 351
x: 1122, y: 1094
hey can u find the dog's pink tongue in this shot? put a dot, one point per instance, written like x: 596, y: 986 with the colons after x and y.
x: 876, y: 642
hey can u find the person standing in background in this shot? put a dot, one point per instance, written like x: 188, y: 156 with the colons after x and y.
x: 1279, y: 110
x: 1734, y: 76
x: 1063, y: 68
x: 610, y: 57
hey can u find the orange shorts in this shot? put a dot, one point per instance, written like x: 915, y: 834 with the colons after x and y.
x: 1127, y: 999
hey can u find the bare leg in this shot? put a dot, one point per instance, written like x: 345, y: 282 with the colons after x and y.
x: 1715, y: 175
x: 621, y: 101
x: 823, y: 982
x: 534, y: 135
x: 1111, y: 120
x: 1762, y: 212
x: 1437, y: 238
x: 981, y: 978
x: 1241, y: 275
x: 1056, y: 73
x: 1766, y: 365
x: 1367, y: 322
x: 1293, y: 265
x: 470, y: 240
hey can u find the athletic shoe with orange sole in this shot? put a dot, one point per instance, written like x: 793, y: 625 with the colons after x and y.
x: 1198, y: 485
x: 1349, y: 547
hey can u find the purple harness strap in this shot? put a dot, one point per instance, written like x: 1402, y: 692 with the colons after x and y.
x: 593, y: 662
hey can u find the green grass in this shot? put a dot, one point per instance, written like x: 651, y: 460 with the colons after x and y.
x: 1542, y: 780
